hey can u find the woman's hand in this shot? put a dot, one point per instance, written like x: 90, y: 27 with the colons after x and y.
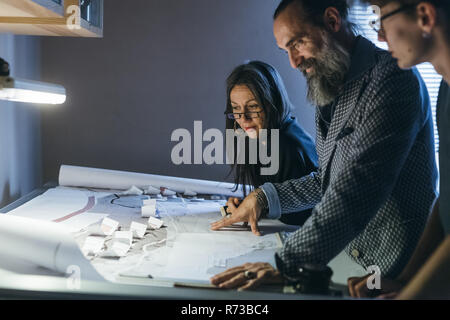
x: 248, y: 211
x: 247, y: 276
x: 232, y: 204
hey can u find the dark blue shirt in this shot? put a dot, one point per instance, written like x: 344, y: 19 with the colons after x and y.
x: 298, y: 158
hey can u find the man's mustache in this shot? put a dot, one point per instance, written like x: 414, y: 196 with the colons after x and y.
x: 308, y: 63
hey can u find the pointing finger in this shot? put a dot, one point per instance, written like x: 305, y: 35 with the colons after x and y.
x: 255, y: 228
x: 226, y: 275
x: 223, y: 223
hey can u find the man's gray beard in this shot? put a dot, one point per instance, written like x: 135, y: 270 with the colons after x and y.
x: 328, y: 74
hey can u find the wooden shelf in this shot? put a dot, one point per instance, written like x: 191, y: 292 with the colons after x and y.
x: 41, y: 17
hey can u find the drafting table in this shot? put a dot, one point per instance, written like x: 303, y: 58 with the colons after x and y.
x: 14, y: 284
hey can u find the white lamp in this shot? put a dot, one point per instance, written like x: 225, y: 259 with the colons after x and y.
x: 20, y: 90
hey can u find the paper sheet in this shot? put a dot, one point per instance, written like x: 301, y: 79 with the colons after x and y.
x: 121, y: 180
x: 198, y: 256
x: 72, y: 208
x: 195, y: 255
x: 43, y: 243
x: 181, y: 208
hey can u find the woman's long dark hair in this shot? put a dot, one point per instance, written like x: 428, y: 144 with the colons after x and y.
x: 266, y: 84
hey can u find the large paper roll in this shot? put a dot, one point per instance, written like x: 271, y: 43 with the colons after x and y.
x: 45, y: 244
x: 73, y: 176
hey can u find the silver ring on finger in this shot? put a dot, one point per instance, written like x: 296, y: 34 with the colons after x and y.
x: 249, y: 275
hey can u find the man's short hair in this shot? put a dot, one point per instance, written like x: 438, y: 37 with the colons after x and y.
x: 313, y: 10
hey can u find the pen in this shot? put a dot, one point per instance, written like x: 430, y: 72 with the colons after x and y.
x: 223, y: 211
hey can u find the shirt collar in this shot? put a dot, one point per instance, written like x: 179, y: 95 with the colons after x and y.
x: 362, y: 58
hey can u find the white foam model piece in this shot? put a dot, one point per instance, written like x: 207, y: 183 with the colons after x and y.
x: 45, y: 244
x: 120, y: 245
x: 125, y: 237
x: 190, y: 193
x: 132, y: 191
x: 152, y: 190
x: 106, y: 228
x: 93, y: 245
x: 154, y: 223
x: 138, y: 229
x: 116, y: 249
x: 167, y: 192
x: 148, y: 211
x: 74, y: 176
x: 109, y: 226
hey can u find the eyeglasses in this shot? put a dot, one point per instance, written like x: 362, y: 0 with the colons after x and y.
x: 298, y: 44
x: 377, y: 24
x: 248, y: 115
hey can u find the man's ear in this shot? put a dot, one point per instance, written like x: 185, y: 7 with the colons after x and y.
x: 426, y: 17
x: 332, y: 19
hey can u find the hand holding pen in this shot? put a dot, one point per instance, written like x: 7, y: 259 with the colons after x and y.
x: 247, y: 211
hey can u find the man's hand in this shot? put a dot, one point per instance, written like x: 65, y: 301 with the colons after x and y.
x: 247, y: 276
x: 248, y: 211
x: 357, y: 286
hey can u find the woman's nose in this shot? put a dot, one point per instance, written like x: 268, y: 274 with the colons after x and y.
x: 247, y: 118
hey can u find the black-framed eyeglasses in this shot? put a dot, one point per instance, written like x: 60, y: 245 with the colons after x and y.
x: 239, y: 115
x: 377, y: 24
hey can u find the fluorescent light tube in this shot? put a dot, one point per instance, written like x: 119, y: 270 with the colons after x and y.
x: 29, y: 91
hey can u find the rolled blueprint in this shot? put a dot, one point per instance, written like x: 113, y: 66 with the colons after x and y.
x: 73, y: 176
x: 45, y: 244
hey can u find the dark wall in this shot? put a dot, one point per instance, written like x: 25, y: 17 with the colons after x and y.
x: 160, y: 66
x: 20, y: 144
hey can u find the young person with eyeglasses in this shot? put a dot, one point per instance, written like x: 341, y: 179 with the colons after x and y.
x: 257, y: 99
x: 417, y: 32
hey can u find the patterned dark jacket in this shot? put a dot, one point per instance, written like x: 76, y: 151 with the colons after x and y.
x: 377, y: 173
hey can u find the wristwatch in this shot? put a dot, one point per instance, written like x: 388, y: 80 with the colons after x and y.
x: 262, y: 202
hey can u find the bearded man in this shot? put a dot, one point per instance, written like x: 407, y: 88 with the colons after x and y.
x: 377, y: 173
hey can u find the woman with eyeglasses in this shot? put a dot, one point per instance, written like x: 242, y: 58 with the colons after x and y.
x: 417, y: 32
x: 257, y: 100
